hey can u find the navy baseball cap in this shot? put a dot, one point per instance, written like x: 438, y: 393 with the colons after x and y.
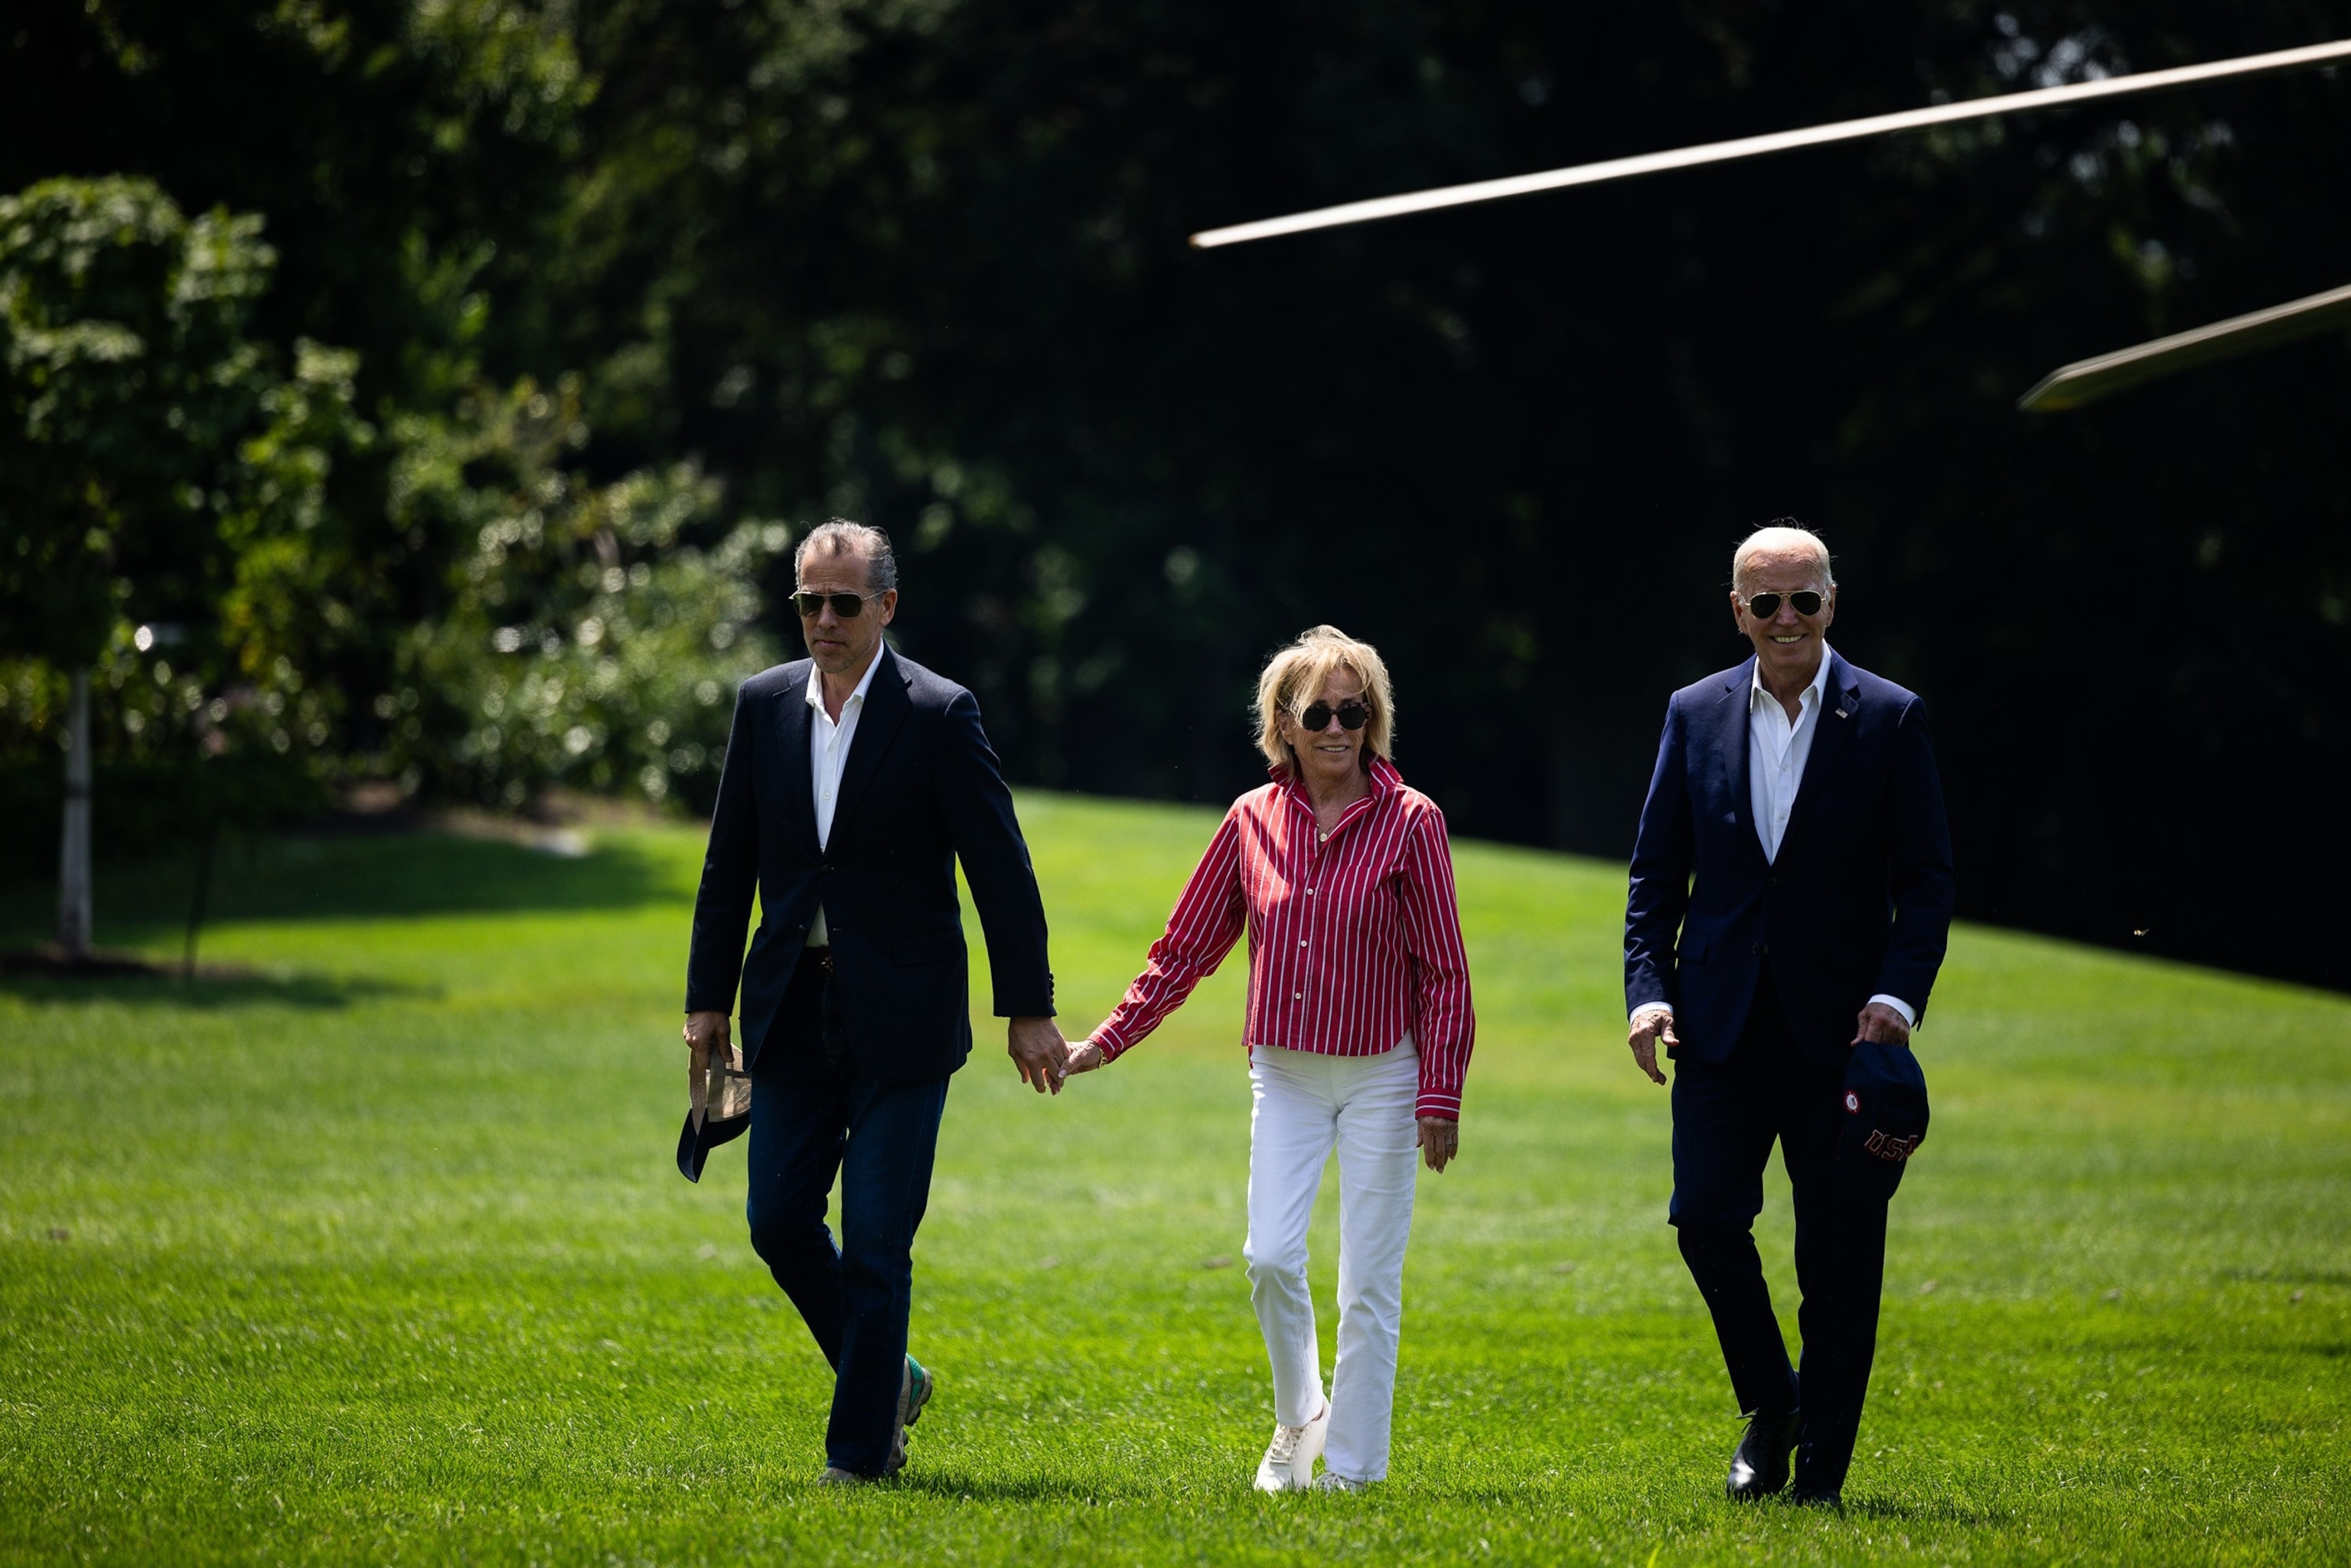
x: 1884, y: 1119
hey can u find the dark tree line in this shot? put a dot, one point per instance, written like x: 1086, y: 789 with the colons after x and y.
x: 922, y: 262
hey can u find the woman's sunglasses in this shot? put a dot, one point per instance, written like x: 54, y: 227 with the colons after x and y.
x: 1763, y: 606
x: 1353, y: 714
x: 848, y: 606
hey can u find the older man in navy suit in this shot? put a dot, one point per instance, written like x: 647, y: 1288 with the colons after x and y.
x: 1791, y: 898
x: 854, y: 780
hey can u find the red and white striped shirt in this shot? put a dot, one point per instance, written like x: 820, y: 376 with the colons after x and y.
x: 1353, y: 940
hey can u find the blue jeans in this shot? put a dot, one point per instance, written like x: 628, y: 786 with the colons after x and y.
x: 813, y: 1116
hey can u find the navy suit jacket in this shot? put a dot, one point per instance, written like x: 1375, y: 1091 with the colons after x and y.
x: 920, y: 789
x: 1859, y: 903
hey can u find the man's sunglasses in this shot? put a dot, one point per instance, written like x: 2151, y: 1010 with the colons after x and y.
x: 848, y: 606
x: 1353, y: 714
x: 1763, y: 606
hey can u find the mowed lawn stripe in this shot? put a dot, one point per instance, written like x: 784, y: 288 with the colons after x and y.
x: 372, y: 1252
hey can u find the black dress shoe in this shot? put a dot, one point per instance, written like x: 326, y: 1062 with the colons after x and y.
x: 1817, y: 1497
x: 1759, y: 1468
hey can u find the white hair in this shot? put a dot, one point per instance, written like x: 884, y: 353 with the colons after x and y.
x: 1782, y: 537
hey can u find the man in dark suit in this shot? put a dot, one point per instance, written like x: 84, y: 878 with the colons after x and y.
x: 853, y: 781
x: 1790, y: 897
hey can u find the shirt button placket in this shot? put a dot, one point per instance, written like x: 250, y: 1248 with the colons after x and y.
x: 1301, y: 995
x: 1319, y: 839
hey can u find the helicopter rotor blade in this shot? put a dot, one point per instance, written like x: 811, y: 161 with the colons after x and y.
x: 2085, y: 380
x: 1777, y: 142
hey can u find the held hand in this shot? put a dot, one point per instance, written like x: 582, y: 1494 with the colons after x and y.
x: 1440, y: 1140
x: 1084, y: 1056
x: 1881, y: 1025
x: 1652, y: 1025
x: 1038, y: 1049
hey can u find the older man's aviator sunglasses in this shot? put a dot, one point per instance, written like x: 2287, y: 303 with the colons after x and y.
x: 1763, y: 606
x: 1351, y: 715
x: 848, y: 606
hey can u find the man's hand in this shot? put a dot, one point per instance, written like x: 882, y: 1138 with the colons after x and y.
x: 1083, y: 1056
x: 1440, y: 1140
x: 1038, y: 1049
x: 705, y: 1033
x: 706, y: 1037
x: 1881, y: 1025
x: 1651, y: 1025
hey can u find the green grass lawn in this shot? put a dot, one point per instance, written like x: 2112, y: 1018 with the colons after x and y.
x: 377, y: 1254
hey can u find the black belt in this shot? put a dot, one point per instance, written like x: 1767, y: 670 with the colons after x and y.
x: 820, y: 956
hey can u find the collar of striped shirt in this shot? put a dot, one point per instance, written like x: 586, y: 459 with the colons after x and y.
x: 1354, y: 941
x: 1382, y: 775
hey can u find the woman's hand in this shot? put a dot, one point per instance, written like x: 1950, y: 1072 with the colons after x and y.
x: 1084, y: 1056
x: 1440, y: 1140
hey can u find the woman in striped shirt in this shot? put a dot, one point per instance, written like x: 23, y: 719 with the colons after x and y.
x: 1359, y: 1031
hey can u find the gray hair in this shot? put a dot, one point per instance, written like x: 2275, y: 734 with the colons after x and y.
x: 1782, y: 535
x: 839, y: 536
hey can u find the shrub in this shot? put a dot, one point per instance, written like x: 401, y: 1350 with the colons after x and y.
x: 589, y: 642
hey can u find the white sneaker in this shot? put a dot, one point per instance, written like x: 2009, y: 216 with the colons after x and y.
x: 1332, y: 1480
x: 1289, y: 1462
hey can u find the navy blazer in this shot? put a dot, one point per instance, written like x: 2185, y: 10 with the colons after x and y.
x: 920, y: 789
x: 1859, y: 903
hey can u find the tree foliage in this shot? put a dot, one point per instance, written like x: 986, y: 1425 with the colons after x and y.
x: 158, y: 470
x: 922, y: 261
x: 585, y: 642
x: 130, y: 394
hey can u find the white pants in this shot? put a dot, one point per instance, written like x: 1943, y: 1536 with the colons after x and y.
x: 1302, y: 1105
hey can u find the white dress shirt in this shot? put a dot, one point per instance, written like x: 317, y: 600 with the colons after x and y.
x: 1777, y: 749
x: 829, y: 745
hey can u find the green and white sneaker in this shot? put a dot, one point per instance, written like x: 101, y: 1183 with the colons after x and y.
x: 914, y: 1390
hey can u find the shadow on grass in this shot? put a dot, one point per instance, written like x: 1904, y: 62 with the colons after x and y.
x: 952, y: 1486
x: 1934, y: 1511
x: 357, y: 876
x: 211, y: 992
x: 1938, y: 1511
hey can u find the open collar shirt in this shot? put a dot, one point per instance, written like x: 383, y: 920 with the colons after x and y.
x: 829, y: 744
x: 1777, y: 749
x: 1354, y: 938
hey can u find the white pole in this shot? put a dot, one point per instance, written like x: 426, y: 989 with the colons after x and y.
x: 73, y: 853
x: 1777, y: 142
